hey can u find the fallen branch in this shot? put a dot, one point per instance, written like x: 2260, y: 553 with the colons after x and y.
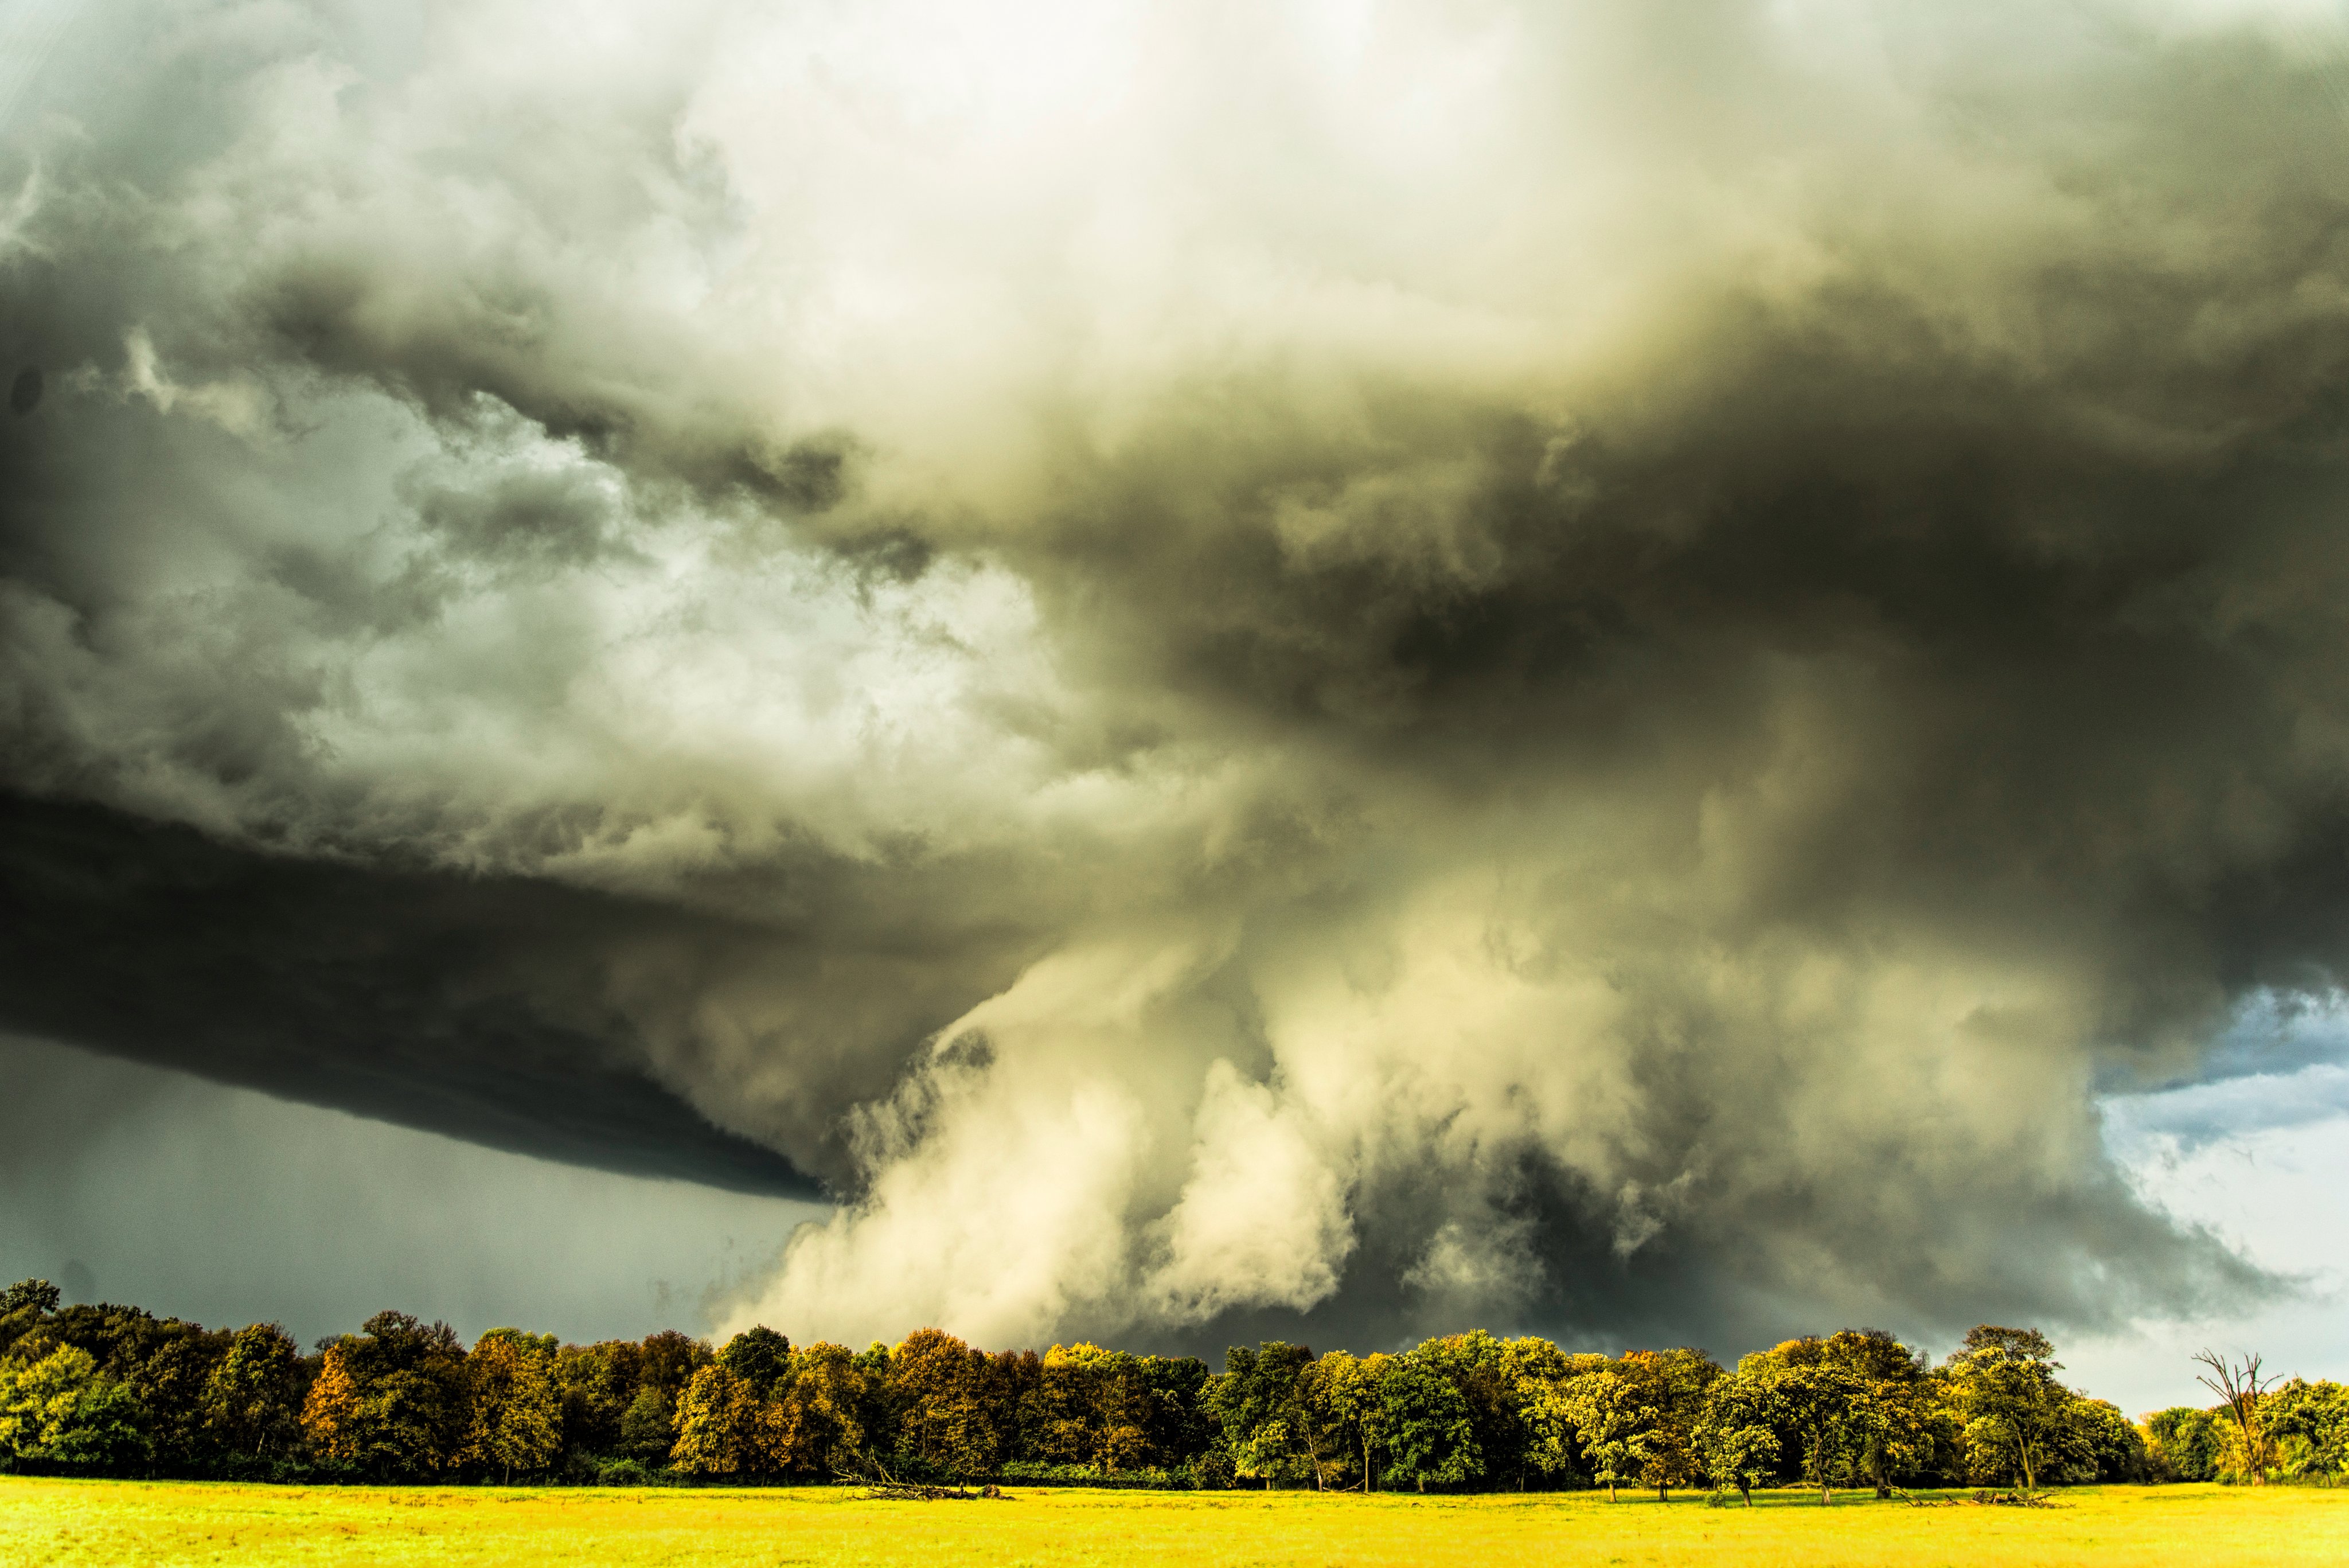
x: 879, y: 1483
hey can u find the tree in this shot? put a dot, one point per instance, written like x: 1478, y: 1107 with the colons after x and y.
x: 1343, y: 1401
x: 2004, y: 1382
x: 1253, y: 1400
x: 1821, y: 1402
x: 595, y: 1385
x: 2102, y: 1444
x: 1891, y: 1408
x: 719, y: 1425
x: 1736, y: 1435
x: 1431, y: 1435
x: 169, y: 1382
x: 944, y: 1396
x: 822, y: 1423
x: 62, y: 1410
x: 2185, y: 1443
x: 759, y: 1356
x: 1611, y: 1418
x: 1671, y: 1386
x: 1178, y: 1427
x: 2238, y: 1386
x: 392, y: 1401
x: 252, y: 1401
x: 2309, y: 1425
x: 648, y: 1427
x: 516, y: 1418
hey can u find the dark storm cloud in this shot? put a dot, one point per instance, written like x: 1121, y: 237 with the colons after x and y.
x: 1586, y: 669
x: 419, y: 998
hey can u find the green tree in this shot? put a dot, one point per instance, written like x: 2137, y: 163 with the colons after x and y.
x: 1737, y: 1432
x: 253, y: 1400
x: 1343, y: 1399
x: 759, y: 1356
x: 2308, y: 1423
x: 1671, y: 1385
x: 2184, y: 1443
x: 1431, y: 1433
x: 2003, y: 1384
x: 1822, y: 1404
x: 62, y: 1410
x: 1254, y: 1402
x: 1612, y: 1420
x: 2101, y: 1444
x: 648, y: 1427
x: 1890, y: 1433
x: 23, y: 1307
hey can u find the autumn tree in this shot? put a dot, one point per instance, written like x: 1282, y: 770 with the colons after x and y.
x: 824, y: 1422
x: 516, y: 1418
x: 720, y: 1427
x: 946, y: 1402
x: 392, y: 1401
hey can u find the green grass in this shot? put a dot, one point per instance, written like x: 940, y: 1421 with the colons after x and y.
x: 142, y: 1522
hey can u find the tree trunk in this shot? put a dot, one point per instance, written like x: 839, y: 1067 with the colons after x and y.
x: 1827, y: 1497
x: 1662, y: 1493
x: 1610, y: 1491
x: 1748, y: 1492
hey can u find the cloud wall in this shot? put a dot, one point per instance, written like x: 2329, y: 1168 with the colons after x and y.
x: 1340, y: 668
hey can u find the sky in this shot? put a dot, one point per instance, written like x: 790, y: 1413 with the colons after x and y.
x: 1182, y: 672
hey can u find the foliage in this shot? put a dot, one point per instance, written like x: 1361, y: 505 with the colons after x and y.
x: 2184, y: 1444
x: 2310, y: 1424
x: 62, y: 1411
x: 1737, y: 1431
x: 113, y: 1389
x: 517, y: 1414
x: 2003, y: 1385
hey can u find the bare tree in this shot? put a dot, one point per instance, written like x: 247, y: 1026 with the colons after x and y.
x: 2239, y: 1384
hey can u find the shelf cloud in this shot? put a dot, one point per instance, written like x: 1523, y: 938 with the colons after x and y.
x: 1326, y: 668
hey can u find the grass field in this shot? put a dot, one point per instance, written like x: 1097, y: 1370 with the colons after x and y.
x: 134, y: 1522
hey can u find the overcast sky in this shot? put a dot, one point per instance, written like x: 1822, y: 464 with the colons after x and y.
x: 1662, y: 673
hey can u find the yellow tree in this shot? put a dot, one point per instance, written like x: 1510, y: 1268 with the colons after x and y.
x: 822, y: 1423
x: 946, y: 1417
x: 330, y: 1414
x: 717, y: 1426
x: 516, y: 1416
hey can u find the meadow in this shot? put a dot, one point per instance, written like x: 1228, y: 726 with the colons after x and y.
x: 123, y: 1523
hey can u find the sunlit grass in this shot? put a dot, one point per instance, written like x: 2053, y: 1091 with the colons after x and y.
x: 136, y: 1523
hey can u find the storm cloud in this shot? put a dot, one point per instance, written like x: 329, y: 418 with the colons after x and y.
x: 1332, y: 669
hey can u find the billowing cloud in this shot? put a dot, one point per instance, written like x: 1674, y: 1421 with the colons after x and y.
x: 1586, y: 667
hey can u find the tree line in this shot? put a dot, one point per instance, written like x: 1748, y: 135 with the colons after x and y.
x: 115, y: 1390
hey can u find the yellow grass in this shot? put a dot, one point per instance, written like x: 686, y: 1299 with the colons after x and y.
x: 134, y: 1522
